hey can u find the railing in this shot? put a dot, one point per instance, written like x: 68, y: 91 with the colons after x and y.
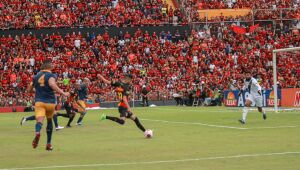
x: 272, y: 16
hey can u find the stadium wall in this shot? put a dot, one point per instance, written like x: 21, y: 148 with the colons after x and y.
x: 291, y: 97
x: 232, y: 99
x: 113, y: 31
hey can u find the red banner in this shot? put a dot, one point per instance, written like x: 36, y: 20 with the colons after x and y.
x: 291, y: 97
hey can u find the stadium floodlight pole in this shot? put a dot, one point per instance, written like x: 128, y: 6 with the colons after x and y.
x: 275, y: 72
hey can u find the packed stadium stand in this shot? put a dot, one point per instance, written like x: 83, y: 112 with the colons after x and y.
x: 22, y: 14
x: 165, y: 61
x: 268, y: 9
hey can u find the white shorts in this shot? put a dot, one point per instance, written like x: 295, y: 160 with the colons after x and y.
x: 257, y: 100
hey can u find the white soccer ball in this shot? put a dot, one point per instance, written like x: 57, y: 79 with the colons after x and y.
x: 148, y: 133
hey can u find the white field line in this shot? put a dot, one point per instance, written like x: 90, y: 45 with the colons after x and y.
x: 158, y: 162
x: 218, y: 110
x: 195, y: 123
x: 220, y: 126
x: 200, y: 109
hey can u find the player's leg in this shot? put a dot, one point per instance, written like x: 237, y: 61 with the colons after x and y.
x: 29, y: 118
x: 49, y: 114
x: 49, y: 131
x: 71, y: 111
x: 259, y: 104
x: 82, y: 110
x: 40, y: 113
x: 147, y: 102
x: 71, y: 118
x: 136, y: 121
x: 57, y: 127
x: 120, y: 120
x: 246, y: 109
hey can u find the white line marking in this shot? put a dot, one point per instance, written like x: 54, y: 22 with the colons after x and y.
x: 200, y: 109
x: 157, y: 162
x: 276, y: 127
x: 221, y: 126
x: 195, y: 123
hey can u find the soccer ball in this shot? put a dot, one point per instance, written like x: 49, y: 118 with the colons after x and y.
x: 148, y: 133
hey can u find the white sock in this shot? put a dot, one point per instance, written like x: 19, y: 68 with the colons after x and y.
x: 263, y: 111
x: 245, y: 112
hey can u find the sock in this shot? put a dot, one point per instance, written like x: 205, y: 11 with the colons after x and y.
x: 55, y: 120
x: 63, y: 115
x: 139, y: 125
x: 49, y: 131
x: 38, y: 127
x: 263, y: 111
x: 79, y: 119
x: 30, y: 118
x: 116, y: 119
x: 70, y: 120
x: 245, y: 112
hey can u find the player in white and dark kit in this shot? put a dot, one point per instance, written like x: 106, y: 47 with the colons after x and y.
x: 251, y: 85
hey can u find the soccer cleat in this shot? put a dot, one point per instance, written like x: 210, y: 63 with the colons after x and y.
x: 68, y: 126
x: 35, y: 141
x: 59, y: 128
x: 264, y: 116
x: 23, y: 120
x: 49, y: 147
x: 242, y: 121
x: 79, y: 123
x: 102, y: 117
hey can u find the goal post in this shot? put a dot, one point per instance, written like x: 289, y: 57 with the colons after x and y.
x: 275, y: 72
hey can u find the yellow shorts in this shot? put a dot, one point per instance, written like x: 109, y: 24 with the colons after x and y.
x: 82, y: 106
x: 44, y: 109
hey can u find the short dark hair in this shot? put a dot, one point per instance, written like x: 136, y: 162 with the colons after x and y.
x: 46, y: 65
x: 247, y: 71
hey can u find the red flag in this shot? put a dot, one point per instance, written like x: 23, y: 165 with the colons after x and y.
x: 252, y: 28
x: 238, y: 30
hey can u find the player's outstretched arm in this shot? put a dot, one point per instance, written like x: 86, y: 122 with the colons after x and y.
x: 54, y: 86
x: 103, y: 79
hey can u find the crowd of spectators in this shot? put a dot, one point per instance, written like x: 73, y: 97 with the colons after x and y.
x: 238, y: 4
x: 24, y: 14
x: 266, y: 10
x: 166, y: 63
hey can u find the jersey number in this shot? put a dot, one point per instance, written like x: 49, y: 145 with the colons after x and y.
x: 42, y: 80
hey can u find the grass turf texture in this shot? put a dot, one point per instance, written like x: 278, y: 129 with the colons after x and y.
x: 107, y: 145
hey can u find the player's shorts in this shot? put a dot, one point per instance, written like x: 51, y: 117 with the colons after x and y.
x: 44, y: 109
x: 255, y: 99
x: 82, y: 106
x: 70, y: 109
x: 124, y: 112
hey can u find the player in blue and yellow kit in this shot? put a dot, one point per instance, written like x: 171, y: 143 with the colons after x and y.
x: 82, y: 93
x: 44, y: 85
x: 122, y: 89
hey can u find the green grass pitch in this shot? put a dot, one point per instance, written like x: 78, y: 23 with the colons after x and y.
x: 185, y: 138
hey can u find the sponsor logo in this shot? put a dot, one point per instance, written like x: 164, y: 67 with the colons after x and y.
x: 231, y: 100
x: 270, y: 99
x: 297, y: 99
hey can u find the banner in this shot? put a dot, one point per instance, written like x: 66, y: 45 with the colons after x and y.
x: 231, y: 98
x: 291, y: 97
